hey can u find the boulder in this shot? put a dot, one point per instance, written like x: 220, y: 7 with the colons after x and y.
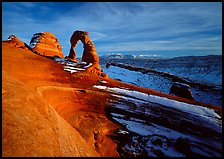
x: 181, y: 90
x: 46, y: 44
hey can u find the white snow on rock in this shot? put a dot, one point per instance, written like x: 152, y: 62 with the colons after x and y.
x: 83, y: 62
x: 122, y: 132
x: 11, y: 37
x: 102, y: 82
x: 198, y: 110
x: 69, y: 70
x: 90, y: 64
x: 59, y: 59
x: 34, y: 43
x: 73, y: 68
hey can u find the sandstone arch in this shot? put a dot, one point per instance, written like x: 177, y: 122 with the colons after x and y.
x: 89, y: 54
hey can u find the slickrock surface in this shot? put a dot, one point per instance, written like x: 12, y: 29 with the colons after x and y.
x: 47, y: 111
x: 31, y: 127
x: 46, y: 44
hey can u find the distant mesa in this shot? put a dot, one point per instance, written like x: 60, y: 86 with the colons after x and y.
x: 46, y: 44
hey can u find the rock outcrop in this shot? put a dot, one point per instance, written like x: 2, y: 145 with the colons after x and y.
x: 32, y: 128
x: 89, y: 54
x: 47, y: 111
x: 14, y: 41
x: 181, y: 90
x: 46, y: 44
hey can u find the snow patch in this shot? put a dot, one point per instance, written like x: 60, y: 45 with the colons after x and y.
x: 11, y: 37
x: 102, y: 82
x: 90, y: 64
x: 73, y: 68
x: 59, y: 59
x: 198, y: 110
x: 34, y: 43
x: 122, y: 132
x: 83, y: 62
x: 69, y: 70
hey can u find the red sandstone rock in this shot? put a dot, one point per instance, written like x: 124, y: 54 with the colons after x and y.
x: 14, y: 41
x: 89, y: 54
x: 76, y: 36
x: 45, y: 113
x: 32, y: 128
x: 34, y: 103
x: 46, y: 44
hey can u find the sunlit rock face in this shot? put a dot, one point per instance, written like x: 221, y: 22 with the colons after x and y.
x: 46, y: 44
x: 14, y: 41
x: 47, y: 111
x: 89, y: 56
x: 32, y: 128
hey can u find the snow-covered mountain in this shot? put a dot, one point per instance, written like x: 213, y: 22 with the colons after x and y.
x: 127, y: 56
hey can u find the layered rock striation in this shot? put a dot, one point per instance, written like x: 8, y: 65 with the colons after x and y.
x: 32, y: 127
x: 46, y: 44
x: 48, y: 111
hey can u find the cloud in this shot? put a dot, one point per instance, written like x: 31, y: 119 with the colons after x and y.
x: 120, y: 25
x: 27, y: 4
x: 202, y: 43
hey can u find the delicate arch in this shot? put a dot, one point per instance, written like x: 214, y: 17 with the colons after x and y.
x: 89, y: 53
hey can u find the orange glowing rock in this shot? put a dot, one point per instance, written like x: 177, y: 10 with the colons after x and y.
x: 14, y: 41
x: 89, y: 54
x: 46, y: 44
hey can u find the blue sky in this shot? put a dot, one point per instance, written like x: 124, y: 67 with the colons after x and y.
x: 163, y: 28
